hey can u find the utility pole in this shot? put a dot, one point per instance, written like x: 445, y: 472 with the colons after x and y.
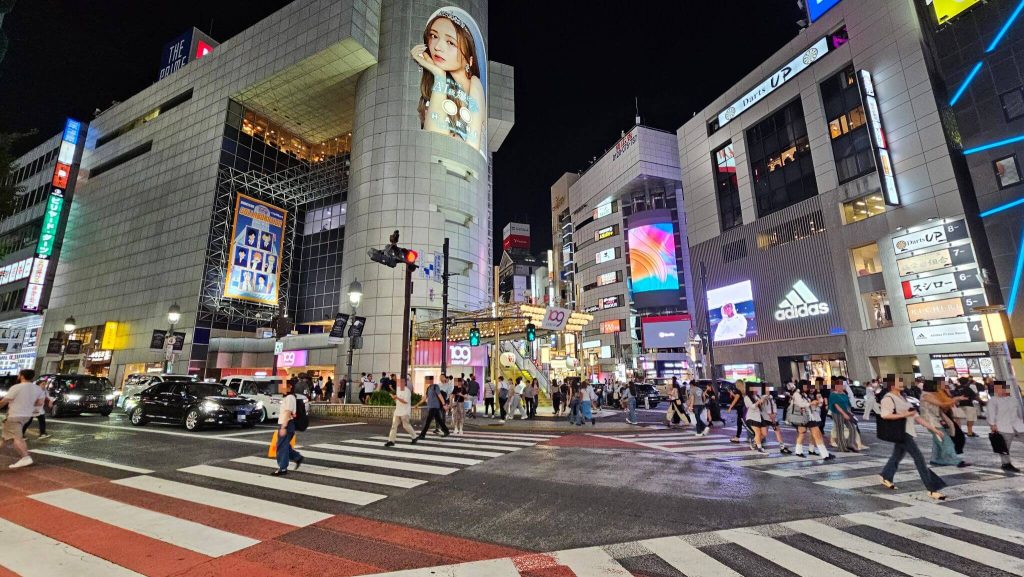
x: 444, y: 308
x: 405, y: 321
x: 707, y: 323
x: 391, y: 256
x: 497, y: 329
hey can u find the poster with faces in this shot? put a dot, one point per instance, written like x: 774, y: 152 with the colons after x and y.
x: 254, y: 270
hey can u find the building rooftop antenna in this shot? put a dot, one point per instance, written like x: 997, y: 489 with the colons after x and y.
x: 636, y: 104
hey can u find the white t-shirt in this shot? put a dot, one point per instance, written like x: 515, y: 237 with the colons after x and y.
x: 520, y: 388
x: 403, y: 409
x: 21, y: 399
x: 369, y: 387
x: 287, y: 405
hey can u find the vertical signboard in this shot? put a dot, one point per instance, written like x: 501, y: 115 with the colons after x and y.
x: 882, y: 161
x: 257, y: 236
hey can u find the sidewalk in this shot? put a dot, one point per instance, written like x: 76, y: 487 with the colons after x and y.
x: 550, y: 424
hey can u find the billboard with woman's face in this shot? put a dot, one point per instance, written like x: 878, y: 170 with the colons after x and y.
x: 257, y: 238
x: 453, y: 97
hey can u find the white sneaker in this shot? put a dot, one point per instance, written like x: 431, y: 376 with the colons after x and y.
x: 47, y: 436
x: 22, y: 462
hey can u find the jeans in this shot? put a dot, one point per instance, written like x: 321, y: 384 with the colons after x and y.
x: 556, y: 401
x: 488, y: 406
x: 698, y: 418
x: 502, y: 406
x: 931, y: 481
x: 42, y: 425
x: 632, y: 409
x: 585, y: 412
x: 285, y: 452
x: 437, y: 416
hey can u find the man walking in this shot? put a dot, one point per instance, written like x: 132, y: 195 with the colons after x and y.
x: 21, y: 401
x: 435, y: 408
x: 1006, y: 419
x: 472, y: 393
x: 39, y: 413
x: 403, y: 411
x: 286, y: 429
x: 489, y: 399
x: 528, y: 393
x: 502, y: 397
x: 695, y: 403
x: 517, y: 396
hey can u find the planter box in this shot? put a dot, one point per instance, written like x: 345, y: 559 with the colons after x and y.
x: 357, y: 412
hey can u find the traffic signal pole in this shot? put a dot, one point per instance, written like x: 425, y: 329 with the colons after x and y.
x: 444, y: 308
x: 405, y: 320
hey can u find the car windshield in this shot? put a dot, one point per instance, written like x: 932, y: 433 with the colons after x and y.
x: 87, y: 384
x: 858, y: 390
x: 209, y: 390
x: 261, y: 387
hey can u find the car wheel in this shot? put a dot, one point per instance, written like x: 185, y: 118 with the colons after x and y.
x: 266, y: 417
x: 192, y: 420
x: 105, y: 413
x: 137, y: 418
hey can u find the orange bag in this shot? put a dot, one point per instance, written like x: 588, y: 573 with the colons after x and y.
x: 272, y: 452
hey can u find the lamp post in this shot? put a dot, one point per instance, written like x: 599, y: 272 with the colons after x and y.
x: 173, y: 316
x: 69, y: 327
x: 355, y: 294
x: 994, y: 321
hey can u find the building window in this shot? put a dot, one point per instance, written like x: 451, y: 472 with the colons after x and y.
x: 780, y: 160
x: 876, y: 307
x: 728, y: 191
x: 847, y: 128
x: 1013, y: 103
x: 1007, y: 171
x: 799, y: 228
x: 862, y: 208
x: 867, y: 260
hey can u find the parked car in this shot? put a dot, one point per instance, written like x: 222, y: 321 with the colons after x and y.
x: 77, y: 394
x: 194, y: 405
x: 857, y: 394
x: 262, y: 389
x: 647, y: 396
x: 138, y: 382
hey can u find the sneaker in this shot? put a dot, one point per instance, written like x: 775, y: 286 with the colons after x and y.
x: 1010, y: 468
x: 389, y: 444
x: 802, y: 455
x: 786, y: 451
x: 279, y: 473
x: 22, y: 462
x: 759, y: 449
x: 298, y: 462
x: 44, y: 436
x: 963, y: 464
x: 414, y: 439
x: 734, y: 440
x: 831, y: 457
x: 445, y: 435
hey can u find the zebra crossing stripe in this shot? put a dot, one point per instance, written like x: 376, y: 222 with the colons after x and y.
x: 512, y: 436
x: 869, y: 480
x: 591, y: 561
x: 26, y: 552
x: 687, y: 559
x: 99, y: 462
x: 428, y: 449
x: 968, y: 524
x: 288, y: 485
x: 749, y: 461
x: 398, y: 454
x: 428, y: 442
x: 785, y: 556
x: 380, y: 463
x: 336, y: 473
x: 819, y: 469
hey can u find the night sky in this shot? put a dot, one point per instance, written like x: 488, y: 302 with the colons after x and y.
x: 579, y: 64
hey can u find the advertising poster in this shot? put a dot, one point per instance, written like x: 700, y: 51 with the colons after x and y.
x: 666, y: 332
x: 731, y: 309
x: 453, y: 89
x: 256, y: 240
x: 652, y: 258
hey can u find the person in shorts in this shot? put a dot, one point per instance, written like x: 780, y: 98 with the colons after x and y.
x: 21, y: 401
x: 965, y: 409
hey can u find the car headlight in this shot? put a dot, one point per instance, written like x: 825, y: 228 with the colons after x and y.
x: 73, y: 397
x: 211, y: 407
x: 110, y: 397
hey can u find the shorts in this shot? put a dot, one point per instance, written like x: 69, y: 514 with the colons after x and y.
x: 12, y: 428
x: 970, y: 414
x: 755, y: 424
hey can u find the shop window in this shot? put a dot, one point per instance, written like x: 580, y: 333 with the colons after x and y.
x: 866, y: 260
x: 847, y: 127
x: 863, y: 208
x: 877, y: 309
x: 1013, y: 103
x: 729, y: 210
x: 781, y: 170
x: 1007, y: 171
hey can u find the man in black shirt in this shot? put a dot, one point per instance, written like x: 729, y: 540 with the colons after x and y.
x: 472, y: 393
x: 965, y: 409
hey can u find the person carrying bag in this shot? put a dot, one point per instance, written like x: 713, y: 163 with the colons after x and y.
x: 896, y: 425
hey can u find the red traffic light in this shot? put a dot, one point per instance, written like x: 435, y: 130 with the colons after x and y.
x: 411, y: 256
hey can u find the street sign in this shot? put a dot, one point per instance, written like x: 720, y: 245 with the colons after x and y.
x: 278, y: 348
x: 156, y: 341
x: 338, y: 328
x: 73, y: 348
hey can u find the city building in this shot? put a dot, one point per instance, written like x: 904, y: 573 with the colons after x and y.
x: 522, y: 276
x: 829, y: 202
x: 249, y: 181
x: 620, y: 250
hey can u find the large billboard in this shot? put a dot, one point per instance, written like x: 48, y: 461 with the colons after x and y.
x: 257, y: 235
x: 666, y: 332
x: 731, y: 309
x: 652, y: 258
x: 453, y: 88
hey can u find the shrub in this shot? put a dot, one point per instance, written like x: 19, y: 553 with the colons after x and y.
x: 383, y: 398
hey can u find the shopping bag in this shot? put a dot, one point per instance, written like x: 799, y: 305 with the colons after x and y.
x: 998, y: 444
x: 272, y: 452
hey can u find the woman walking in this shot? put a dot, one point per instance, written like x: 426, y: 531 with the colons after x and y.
x: 556, y: 397
x: 1006, y: 419
x: 675, y: 407
x: 842, y: 418
x: 753, y: 401
x: 736, y: 402
x: 900, y: 414
x: 933, y: 410
x: 769, y: 418
x: 804, y: 416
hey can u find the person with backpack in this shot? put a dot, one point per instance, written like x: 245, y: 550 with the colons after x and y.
x: 290, y: 418
x: 435, y: 408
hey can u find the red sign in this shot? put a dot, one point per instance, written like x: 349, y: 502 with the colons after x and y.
x: 202, y: 49
x: 516, y: 241
x: 60, y: 175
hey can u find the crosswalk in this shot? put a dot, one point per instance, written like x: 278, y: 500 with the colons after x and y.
x: 207, y: 511
x: 857, y: 544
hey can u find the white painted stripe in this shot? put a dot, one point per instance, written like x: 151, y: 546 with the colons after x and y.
x: 32, y: 554
x: 157, y: 430
x: 427, y: 449
x: 380, y: 463
x: 285, y: 484
x: 905, y: 477
x: 361, y: 476
x: 702, y: 442
x: 785, y: 556
x: 819, y: 469
x: 957, y: 547
x: 511, y: 436
x: 750, y: 461
x: 398, y: 454
x: 179, y: 532
x: 488, y: 440
x: 962, y: 490
x: 286, y: 514
x: 490, y: 568
x: 688, y: 559
x: 968, y: 524
x: 703, y: 449
x: 881, y: 554
x: 446, y: 443
x: 591, y: 561
x: 99, y: 462
x: 271, y: 429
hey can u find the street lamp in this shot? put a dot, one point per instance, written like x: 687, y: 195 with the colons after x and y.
x: 994, y: 321
x: 173, y: 316
x: 69, y: 327
x: 355, y: 295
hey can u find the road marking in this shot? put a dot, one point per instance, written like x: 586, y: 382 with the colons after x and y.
x: 335, y: 473
x: 785, y: 556
x: 968, y: 524
x: 99, y: 462
x: 962, y: 491
x: 179, y: 532
x: 490, y: 568
x: 288, y: 485
x: 819, y: 469
x: 488, y: 440
x: 429, y: 442
x: 881, y: 554
x: 957, y: 547
x: 905, y: 477
x: 26, y: 552
x: 702, y: 449
x: 380, y: 463
x: 750, y: 461
x: 271, y: 429
x: 590, y: 561
x: 429, y: 449
x: 398, y: 454
x: 688, y: 559
x: 269, y: 510
x: 159, y: 432
x: 513, y: 436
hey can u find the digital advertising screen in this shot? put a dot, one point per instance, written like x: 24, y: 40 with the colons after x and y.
x: 731, y: 309
x: 453, y: 86
x: 652, y: 258
x: 257, y: 235
x: 666, y: 332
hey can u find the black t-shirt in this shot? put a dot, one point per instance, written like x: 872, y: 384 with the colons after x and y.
x: 458, y: 395
x: 966, y: 391
x: 473, y: 388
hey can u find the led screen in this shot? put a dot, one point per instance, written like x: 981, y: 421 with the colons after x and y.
x: 652, y: 258
x: 254, y: 268
x: 666, y: 332
x: 731, y: 309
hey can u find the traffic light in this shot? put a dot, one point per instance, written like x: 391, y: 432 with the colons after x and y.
x: 531, y: 332
x: 392, y: 254
x: 474, y: 337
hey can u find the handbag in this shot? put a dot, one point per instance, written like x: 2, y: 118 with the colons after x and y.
x: 272, y: 451
x: 891, y: 431
x: 998, y: 444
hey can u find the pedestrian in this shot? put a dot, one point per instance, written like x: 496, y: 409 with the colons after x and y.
x: 673, y: 414
x: 695, y: 403
x: 842, y: 418
x: 965, y: 409
x: 574, y: 404
x: 556, y: 397
x: 384, y: 383
x: 736, y: 403
x: 489, y: 399
x: 286, y: 415
x: 21, y: 401
x: 753, y: 401
x: 528, y: 392
x: 770, y: 418
x: 1005, y: 420
x: 946, y: 394
x: 472, y: 394
x: 823, y: 392
x: 587, y: 399
x: 629, y: 395
x: 516, y: 400
x: 901, y: 415
x: 870, y: 400
x: 403, y: 412
x: 933, y: 411
x: 711, y: 402
x: 458, y: 401
x: 599, y: 396
x: 565, y: 391
x: 39, y: 413
x: 803, y: 415
x: 503, y: 397
x: 316, y: 391
x: 435, y: 407
x: 329, y: 388
x: 446, y: 387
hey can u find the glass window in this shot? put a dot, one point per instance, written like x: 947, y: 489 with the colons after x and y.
x: 728, y: 191
x: 877, y: 309
x: 865, y: 207
x: 851, y: 144
x: 1007, y: 171
x: 866, y: 260
x: 1013, y: 103
x: 780, y: 160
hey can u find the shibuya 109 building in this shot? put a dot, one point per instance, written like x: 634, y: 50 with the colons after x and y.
x: 249, y: 180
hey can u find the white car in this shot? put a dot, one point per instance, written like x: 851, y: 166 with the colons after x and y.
x: 262, y: 389
x: 138, y: 382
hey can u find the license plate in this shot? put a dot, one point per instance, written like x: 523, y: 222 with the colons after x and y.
x: 90, y: 405
x: 241, y: 417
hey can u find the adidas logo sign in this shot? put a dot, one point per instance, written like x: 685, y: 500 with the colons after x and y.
x: 800, y: 303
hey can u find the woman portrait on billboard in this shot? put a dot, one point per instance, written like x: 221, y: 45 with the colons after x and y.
x: 452, y: 90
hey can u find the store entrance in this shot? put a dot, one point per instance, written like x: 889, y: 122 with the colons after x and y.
x: 809, y: 367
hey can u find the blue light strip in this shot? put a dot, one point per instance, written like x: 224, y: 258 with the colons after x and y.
x: 1006, y: 26
x: 967, y: 82
x: 1002, y: 207
x: 995, y: 144
x: 1015, y: 288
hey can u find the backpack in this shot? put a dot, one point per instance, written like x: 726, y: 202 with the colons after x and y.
x: 301, y: 418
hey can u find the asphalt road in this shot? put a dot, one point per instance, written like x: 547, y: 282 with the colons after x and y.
x: 106, y: 498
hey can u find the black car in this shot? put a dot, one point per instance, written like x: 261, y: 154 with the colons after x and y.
x: 721, y: 390
x: 647, y: 396
x: 77, y: 394
x: 194, y: 405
